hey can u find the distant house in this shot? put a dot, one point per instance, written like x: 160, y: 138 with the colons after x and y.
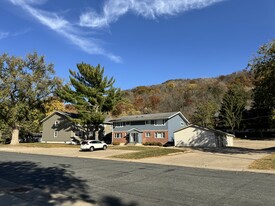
x: 58, y: 128
x: 196, y: 136
x: 144, y: 128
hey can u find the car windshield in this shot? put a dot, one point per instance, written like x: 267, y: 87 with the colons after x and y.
x: 96, y: 142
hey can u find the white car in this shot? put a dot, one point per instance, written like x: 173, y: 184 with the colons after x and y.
x: 92, y: 145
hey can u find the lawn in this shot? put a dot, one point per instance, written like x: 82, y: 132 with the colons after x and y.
x: 266, y: 163
x: 41, y: 145
x: 144, y: 152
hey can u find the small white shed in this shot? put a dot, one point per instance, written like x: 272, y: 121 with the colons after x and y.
x: 196, y: 136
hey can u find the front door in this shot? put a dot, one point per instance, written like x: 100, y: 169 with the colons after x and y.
x: 133, y: 137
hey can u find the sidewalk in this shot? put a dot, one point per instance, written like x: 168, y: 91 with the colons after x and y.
x: 226, y: 159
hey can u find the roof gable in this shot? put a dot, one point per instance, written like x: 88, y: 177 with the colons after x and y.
x: 65, y: 114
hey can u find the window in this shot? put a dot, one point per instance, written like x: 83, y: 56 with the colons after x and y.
x: 55, y: 134
x: 56, y: 123
x: 118, y: 135
x: 78, y: 133
x: 159, y: 135
x: 159, y: 122
x: 148, y: 122
x: 148, y: 134
x: 119, y: 124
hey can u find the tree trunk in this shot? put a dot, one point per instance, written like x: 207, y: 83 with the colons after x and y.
x: 96, y: 134
x: 15, y: 136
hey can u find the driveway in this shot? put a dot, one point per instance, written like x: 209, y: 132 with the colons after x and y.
x: 237, y: 158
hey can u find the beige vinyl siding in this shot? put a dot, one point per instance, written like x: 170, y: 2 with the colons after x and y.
x: 60, y: 132
x: 195, y: 136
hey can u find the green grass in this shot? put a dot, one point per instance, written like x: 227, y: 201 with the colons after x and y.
x: 144, y: 152
x: 266, y: 163
x: 42, y: 145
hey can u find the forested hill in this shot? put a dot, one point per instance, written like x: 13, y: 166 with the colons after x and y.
x: 195, y: 98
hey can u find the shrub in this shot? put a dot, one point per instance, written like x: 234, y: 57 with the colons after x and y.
x: 152, y: 144
x: 116, y: 143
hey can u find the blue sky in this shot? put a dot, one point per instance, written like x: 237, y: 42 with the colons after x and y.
x: 139, y: 42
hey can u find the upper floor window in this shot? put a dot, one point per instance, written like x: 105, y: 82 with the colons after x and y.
x: 119, y: 124
x: 56, y: 123
x: 159, y: 122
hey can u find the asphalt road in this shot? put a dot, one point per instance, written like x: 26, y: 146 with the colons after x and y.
x: 49, y: 180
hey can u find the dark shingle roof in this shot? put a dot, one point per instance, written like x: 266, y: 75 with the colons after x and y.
x: 144, y: 117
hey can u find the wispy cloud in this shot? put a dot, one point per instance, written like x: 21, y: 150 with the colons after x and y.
x: 111, y: 12
x: 64, y: 28
x: 3, y: 35
x: 113, y: 9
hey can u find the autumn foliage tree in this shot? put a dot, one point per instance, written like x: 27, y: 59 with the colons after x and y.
x: 233, y: 106
x: 263, y: 68
x: 25, y: 85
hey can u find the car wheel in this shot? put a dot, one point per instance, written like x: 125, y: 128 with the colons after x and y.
x: 104, y: 147
x: 92, y: 149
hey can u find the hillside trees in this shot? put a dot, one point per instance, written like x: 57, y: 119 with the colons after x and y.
x: 93, y: 96
x: 263, y: 68
x: 232, y: 107
x: 25, y: 85
x: 205, y: 113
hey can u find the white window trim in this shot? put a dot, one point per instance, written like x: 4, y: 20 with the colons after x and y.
x: 157, y: 124
x: 118, y: 135
x: 56, y: 123
x: 119, y: 124
x: 55, y: 134
x: 146, y: 134
x: 162, y: 135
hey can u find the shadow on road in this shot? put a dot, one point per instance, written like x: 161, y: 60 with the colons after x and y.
x: 114, y: 201
x: 48, y: 186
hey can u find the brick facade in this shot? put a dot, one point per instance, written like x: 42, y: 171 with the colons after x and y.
x: 121, y: 140
x: 152, y: 138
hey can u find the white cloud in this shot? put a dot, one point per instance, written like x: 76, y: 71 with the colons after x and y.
x: 3, y: 35
x: 64, y: 28
x: 152, y: 9
x: 111, y: 12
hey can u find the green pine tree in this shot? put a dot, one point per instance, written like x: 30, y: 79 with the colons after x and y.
x: 92, y: 94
